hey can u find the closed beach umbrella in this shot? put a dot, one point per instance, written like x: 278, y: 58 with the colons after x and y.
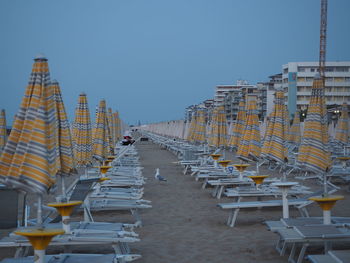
x: 118, y: 132
x: 274, y: 147
x: 249, y: 148
x: 239, y: 125
x: 313, y: 151
x: 102, y: 144
x: 192, y: 128
x: 3, y: 130
x: 82, y: 134
x: 342, y: 130
x: 294, y: 131
x: 111, y: 125
x: 218, y: 134
x: 200, y: 127
x: 64, y: 137
x: 30, y: 159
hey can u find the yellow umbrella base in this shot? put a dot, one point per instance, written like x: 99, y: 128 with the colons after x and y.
x: 39, y: 238
x: 326, y: 202
x: 65, y: 208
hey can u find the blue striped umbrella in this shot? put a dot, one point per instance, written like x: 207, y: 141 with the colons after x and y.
x: 102, y: 143
x: 294, y: 131
x: 342, y: 130
x: 314, y: 154
x: 218, y: 127
x: 238, y: 128
x: 249, y: 148
x: 3, y: 130
x: 82, y: 134
x: 200, y: 127
x: 274, y: 147
x: 30, y: 159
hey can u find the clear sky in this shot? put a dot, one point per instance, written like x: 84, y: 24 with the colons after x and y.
x: 151, y: 58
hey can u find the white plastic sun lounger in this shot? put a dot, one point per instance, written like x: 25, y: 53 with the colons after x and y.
x: 302, y: 237
x: 332, y: 256
x: 78, y: 258
x: 299, y: 203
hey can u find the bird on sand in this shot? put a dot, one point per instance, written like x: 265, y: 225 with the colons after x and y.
x: 158, y: 176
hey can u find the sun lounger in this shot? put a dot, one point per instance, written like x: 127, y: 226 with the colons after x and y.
x: 332, y: 256
x: 78, y: 258
x: 299, y: 203
x: 302, y: 237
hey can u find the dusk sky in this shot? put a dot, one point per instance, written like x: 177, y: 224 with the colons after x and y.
x: 150, y: 59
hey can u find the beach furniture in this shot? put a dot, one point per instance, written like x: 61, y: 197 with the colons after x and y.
x: 234, y: 207
x: 300, y: 238
x: 332, y: 256
x: 77, y: 258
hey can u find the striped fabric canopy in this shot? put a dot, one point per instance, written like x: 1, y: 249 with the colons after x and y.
x: 192, y: 128
x: 218, y: 128
x: 294, y: 132
x: 30, y: 159
x: 64, y: 137
x: 238, y: 128
x: 3, y: 130
x: 102, y: 142
x: 118, y: 128
x: 342, y: 130
x: 111, y: 125
x: 82, y: 134
x: 274, y: 147
x: 249, y: 147
x: 200, y: 129
x: 313, y: 150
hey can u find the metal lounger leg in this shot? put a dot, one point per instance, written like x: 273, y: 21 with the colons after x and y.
x: 205, y: 183
x: 136, y: 215
x: 302, y: 253
x: 219, y: 193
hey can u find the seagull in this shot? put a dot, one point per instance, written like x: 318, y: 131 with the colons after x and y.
x: 158, y: 176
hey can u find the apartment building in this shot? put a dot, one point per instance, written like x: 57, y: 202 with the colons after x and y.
x: 297, y: 80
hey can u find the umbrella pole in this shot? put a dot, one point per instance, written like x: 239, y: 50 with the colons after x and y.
x: 64, y: 196
x: 325, y: 190
x: 39, y: 218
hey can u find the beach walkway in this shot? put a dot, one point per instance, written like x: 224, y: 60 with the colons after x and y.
x: 185, y: 225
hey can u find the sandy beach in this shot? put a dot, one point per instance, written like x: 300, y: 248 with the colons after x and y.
x: 185, y: 225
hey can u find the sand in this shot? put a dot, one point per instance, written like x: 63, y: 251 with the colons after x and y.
x: 185, y: 225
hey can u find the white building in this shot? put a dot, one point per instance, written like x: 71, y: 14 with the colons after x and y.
x: 297, y: 80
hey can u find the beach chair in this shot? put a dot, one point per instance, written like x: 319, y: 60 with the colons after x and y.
x: 332, y: 256
x: 77, y: 258
x: 299, y: 203
x: 300, y: 238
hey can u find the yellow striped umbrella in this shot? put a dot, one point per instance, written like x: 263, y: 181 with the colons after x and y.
x: 294, y: 132
x: 192, y: 129
x: 238, y: 128
x: 118, y: 133
x: 218, y: 135
x: 82, y: 134
x: 111, y: 125
x: 30, y: 159
x: 249, y: 147
x: 342, y: 130
x: 274, y: 147
x: 3, y: 130
x: 64, y: 137
x: 313, y: 150
x: 102, y: 144
x: 200, y: 127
